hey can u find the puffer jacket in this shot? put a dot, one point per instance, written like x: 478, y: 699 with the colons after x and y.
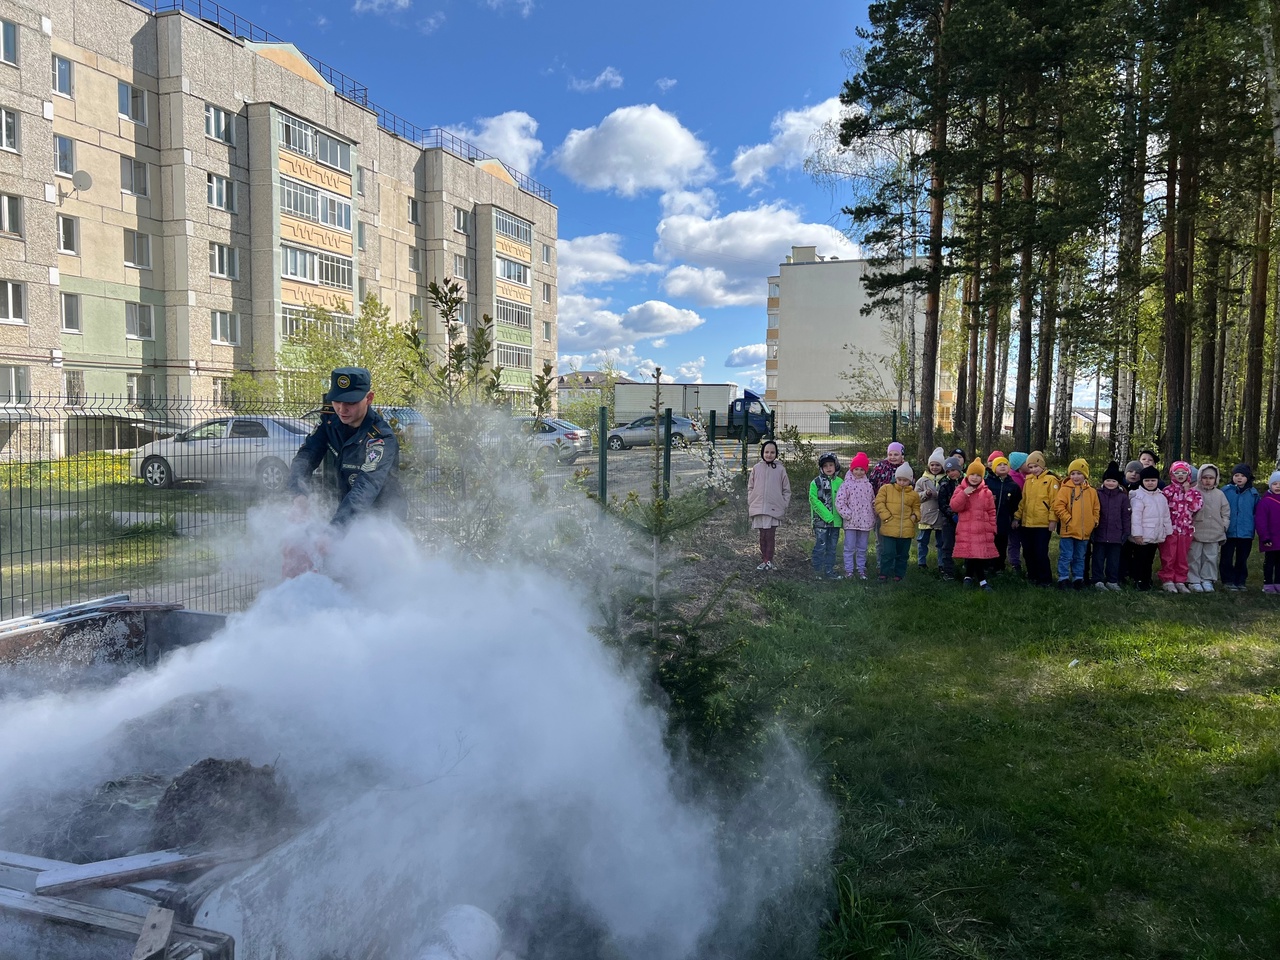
x: 823, y: 514
x: 1243, y: 504
x: 1268, y: 521
x: 927, y: 490
x: 1036, y: 508
x: 899, y: 511
x: 1183, y: 504
x: 1150, y: 519
x: 1115, y: 516
x: 1211, y: 523
x: 976, y: 526
x: 768, y: 490
x: 946, y: 490
x: 1077, y: 510
x: 1008, y: 496
x: 856, y: 504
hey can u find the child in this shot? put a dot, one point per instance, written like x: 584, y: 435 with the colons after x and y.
x: 898, y: 507
x: 1007, y: 495
x: 930, y: 514
x: 1268, y: 523
x: 768, y: 494
x: 826, y: 521
x: 883, y: 471
x: 975, y: 509
x: 1077, y: 508
x: 1132, y: 476
x: 1184, y: 501
x: 1209, y: 532
x: 953, y: 469
x: 1035, y: 519
x: 1150, y: 525
x: 1017, y: 460
x: 1243, y: 497
x: 1132, y: 482
x: 856, y: 505
x: 1115, y: 515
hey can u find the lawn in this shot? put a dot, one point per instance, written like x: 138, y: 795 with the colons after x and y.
x: 1030, y: 773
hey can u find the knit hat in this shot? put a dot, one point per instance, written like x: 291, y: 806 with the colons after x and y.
x: 1079, y: 463
x: 1275, y: 478
x: 860, y: 461
x: 1113, y: 473
x: 1149, y: 473
x: 904, y: 473
x: 1243, y: 468
x: 1133, y: 466
x: 1035, y: 459
x: 1017, y: 459
x: 952, y: 463
x: 958, y: 452
x: 997, y: 461
x: 975, y: 467
x: 1180, y: 465
x: 1154, y: 456
x: 896, y: 447
x: 991, y: 457
x: 937, y: 456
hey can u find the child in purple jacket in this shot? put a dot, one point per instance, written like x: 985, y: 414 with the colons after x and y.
x: 1267, y: 520
x: 1112, y: 532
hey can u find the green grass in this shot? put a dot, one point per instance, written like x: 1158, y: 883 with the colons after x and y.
x: 997, y: 801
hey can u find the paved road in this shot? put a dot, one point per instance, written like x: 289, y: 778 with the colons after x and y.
x: 633, y: 469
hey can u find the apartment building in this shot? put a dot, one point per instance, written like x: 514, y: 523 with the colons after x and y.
x: 177, y: 186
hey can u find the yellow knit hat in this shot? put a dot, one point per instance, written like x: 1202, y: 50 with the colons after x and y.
x: 999, y: 460
x: 1081, y: 465
x: 975, y: 467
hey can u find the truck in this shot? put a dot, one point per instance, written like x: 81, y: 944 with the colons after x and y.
x: 696, y: 401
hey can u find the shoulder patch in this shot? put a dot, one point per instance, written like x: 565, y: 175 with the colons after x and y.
x: 373, y: 451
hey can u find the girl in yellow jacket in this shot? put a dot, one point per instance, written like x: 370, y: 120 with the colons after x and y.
x: 1077, y: 509
x: 1035, y: 518
x: 898, y: 507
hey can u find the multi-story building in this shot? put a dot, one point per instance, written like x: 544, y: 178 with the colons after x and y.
x: 177, y: 186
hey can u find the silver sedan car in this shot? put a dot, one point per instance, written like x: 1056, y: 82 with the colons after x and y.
x: 640, y: 432
x: 557, y: 439
x: 229, y: 449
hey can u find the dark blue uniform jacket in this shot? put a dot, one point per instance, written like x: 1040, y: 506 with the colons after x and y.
x: 361, y: 466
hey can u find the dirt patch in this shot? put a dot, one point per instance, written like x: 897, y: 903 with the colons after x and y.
x: 223, y: 803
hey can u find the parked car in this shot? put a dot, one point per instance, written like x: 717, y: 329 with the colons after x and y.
x: 233, y: 449
x: 551, y: 437
x: 639, y: 432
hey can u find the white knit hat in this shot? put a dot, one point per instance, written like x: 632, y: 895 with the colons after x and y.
x: 904, y: 472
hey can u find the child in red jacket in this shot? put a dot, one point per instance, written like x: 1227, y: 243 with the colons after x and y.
x: 975, y: 510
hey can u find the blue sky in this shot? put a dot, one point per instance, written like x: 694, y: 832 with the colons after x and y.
x: 671, y: 136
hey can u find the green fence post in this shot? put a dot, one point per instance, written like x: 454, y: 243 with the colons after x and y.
x: 603, y: 462
x: 894, y: 428
x: 666, y: 455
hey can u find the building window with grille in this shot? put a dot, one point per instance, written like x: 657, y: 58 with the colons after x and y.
x: 137, y: 250
x: 132, y: 103
x: 507, y: 225
x: 224, y: 261
x: 512, y: 313
x: 224, y: 327
x: 217, y: 124
x: 73, y: 387
x: 70, y: 313
x: 10, y: 214
x: 140, y: 387
x: 334, y: 271
x: 13, y: 302
x: 514, y: 357
x: 63, y: 76
x: 220, y: 192
x: 514, y: 272
x: 15, y: 385
x: 8, y: 130
x: 139, y: 321
x: 133, y: 177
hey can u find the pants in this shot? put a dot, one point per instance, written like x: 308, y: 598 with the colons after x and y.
x: 1173, y: 558
x: 922, y: 545
x: 1271, y: 567
x: 946, y: 543
x: 1035, y: 548
x: 824, y: 548
x: 1015, y: 549
x: 976, y: 570
x: 1144, y: 556
x: 1002, y: 550
x: 1235, y: 560
x: 1202, y: 562
x: 855, y: 550
x: 1106, y: 562
x: 1126, y: 560
x: 893, y: 558
x: 1071, y: 558
x: 768, y: 537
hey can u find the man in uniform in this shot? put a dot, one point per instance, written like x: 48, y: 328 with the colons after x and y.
x: 359, y: 449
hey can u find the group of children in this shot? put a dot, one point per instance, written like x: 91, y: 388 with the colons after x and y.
x: 1005, y: 512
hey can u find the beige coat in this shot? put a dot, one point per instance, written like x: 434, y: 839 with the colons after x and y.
x: 768, y: 491
x: 1212, y: 519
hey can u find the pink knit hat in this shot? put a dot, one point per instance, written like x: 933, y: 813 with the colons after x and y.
x: 896, y: 447
x: 860, y: 461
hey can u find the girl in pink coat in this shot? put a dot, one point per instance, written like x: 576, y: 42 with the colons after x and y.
x: 855, y: 502
x: 975, y: 510
x: 768, y: 493
x: 1184, y: 503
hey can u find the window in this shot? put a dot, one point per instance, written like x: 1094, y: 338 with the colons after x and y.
x: 467, y: 313
x: 291, y: 320
x: 775, y: 290
x: 462, y: 220
x: 141, y: 387
x: 8, y: 42
x: 247, y: 430
x: 360, y: 235
x: 133, y: 177
x: 515, y: 314
x: 224, y: 327
x: 297, y: 263
x: 513, y: 227
x: 301, y: 137
x: 10, y: 214
x: 12, y: 302
x: 361, y: 174
x: 546, y: 293
x: 334, y: 271
x: 68, y: 234
x: 217, y: 123
x: 773, y: 321
x: 416, y: 306
x: 771, y: 381
x: 518, y: 358
x: 62, y: 76
x: 64, y: 153
x: 309, y: 203
x: 461, y: 266
x: 9, y: 129
x: 546, y: 330
x: 71, y: 312
x: 137, y: 250
x: 132, y: 103
x: 335, y: 212
x: 772, y: 352
x: 415, y: 211
x: 73, y: 387
x: 138, y: 321
x: 15, y: 385
x: 222, y: 391
x: 221, y: 192
x: 546, y: 253
x: 224, y: 261
x: 515, y: 272
x: 415, y: 260
x: 333, y: 152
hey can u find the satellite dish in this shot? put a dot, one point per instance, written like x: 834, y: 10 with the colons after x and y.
x: 81, y: 180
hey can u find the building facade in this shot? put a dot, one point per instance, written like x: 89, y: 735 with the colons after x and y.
x: 177, y: 187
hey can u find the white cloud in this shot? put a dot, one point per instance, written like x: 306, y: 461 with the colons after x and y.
x: 626, y: 360
x: 635, y: 149
x: 725, y: 260
x: 586, y: 323
x: 659, y: 343
x: 380, y: 6
x: 523, y: 7
x: 595, y: 259
x: 665, y: 83
x: 691, y: 372
x: 792, y: 141
x: 749, y: 356
x: 700, y: 203
x: 431, y: 23
x: 322, y: 22
x: 510, y: 136
x: 608, y: 77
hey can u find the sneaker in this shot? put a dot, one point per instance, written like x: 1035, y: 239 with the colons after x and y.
x: 763, y: 566
x: 1207, y: 587
x: 1183, y: 588
x: 1114, y: 587
x: 862, y: 576
x: 968, y: 581
x: 1064, y: 584
x: 985, y: 586
x: 882, y: 579
x: 1100, y: 586
x: 897, y: 579
x: 947, y: 578
x: 833, y: 576
x: 1170, y: 587
x: 1195, y: 587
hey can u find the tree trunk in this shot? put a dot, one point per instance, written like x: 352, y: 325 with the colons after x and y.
x: 1044, y: 370
x: 1129, y: 255
x: 1022, y: 390
x: 1062, y: 396
x: 1205, y: 423
x: 961, y: 406
x: 1252, y: 406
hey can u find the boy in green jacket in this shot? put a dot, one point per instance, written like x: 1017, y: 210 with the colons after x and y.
x: 826, y: 521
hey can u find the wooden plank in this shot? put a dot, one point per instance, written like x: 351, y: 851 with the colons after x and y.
x: 153, y: 942
x: 123, y: 870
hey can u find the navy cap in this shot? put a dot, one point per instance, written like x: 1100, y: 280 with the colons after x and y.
x: 349, y: 385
